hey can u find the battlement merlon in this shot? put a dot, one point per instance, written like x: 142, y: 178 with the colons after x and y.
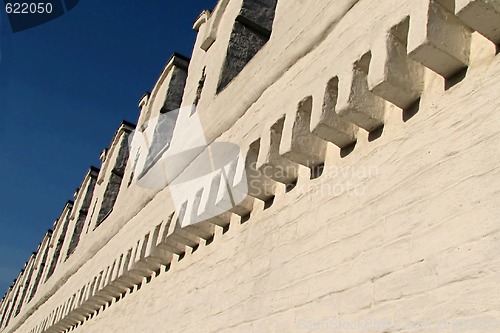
x: 167, y: 92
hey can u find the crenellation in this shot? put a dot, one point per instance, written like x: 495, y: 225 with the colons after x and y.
x: 326, y: 123
x: 41, y: 265
x: 88, y: 305
x: 168, y: 92
x: 17, y: 289
x: 188, y: 219
x: 179, y: 234
x: 481, y: 15
x: 111, y: 176
x: 154, y: 254
x: 298, y: 144
x: 393, y: 75
x: 224, y: 201
x: 138, y: 267
x: 207, y: 209
x: 355, y: 102
x: 6, y: 304
x: 167, y: 243
x: 113, y: 285
x: 438, y: 39
x: 110, y: 292
x: 176, y: 84
x: 270, y: 162
x: 114, y: 158
x: 249, y: 180
x: 3, y: 307
x: 59, y: 236
x: 80, y: 212
x: 262, y: 262
x: 126, y: 278
x: 62, y: 321
x: 29, y: 268
x: 141, y: 262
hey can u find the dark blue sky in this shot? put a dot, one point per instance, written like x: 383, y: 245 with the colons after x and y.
x: 65, y: 86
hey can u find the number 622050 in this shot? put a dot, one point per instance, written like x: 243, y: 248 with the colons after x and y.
x: 28, y: 8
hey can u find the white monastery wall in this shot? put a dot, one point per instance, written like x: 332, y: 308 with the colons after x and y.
x: 384, y: 116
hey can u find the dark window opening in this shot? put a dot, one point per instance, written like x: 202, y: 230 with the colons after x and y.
x: 57, y: 252
x: 114, y: 183
x: 251, y: 31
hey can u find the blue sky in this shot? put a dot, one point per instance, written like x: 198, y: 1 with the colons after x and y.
x: 65, y: 86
